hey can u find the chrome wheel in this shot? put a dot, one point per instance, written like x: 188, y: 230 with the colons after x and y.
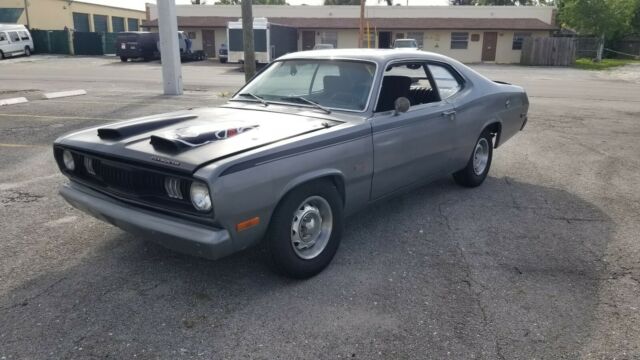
x: 481, y: 156
x: 311, y: 227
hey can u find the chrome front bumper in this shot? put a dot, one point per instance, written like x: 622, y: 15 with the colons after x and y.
x: 171, y: 232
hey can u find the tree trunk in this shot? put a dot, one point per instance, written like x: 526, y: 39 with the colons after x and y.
x: 247, y: 39
x: 600, y: 49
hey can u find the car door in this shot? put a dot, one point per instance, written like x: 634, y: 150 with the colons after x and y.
x: 414, y: 146
x: 4, y: 42
x: 452, y: 89
x: 15, y: 44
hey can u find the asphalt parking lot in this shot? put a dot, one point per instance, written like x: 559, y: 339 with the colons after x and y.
x: 541, y: 262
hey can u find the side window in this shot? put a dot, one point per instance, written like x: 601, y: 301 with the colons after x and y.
x: 409, y: 80
x: 24, y: 35
x: 14, y: 36
x: 3, y: 37
x: 324, y: 71
x: 446, y: 82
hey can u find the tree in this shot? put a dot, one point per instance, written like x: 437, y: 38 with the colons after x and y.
x: 607, y: 19
x: 198, y: 2
x: 255, y: 2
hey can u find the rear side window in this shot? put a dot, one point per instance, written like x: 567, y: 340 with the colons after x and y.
x: 23, y: 35
x: 14, y: 36
x: 447, y: 83
x: 3, y: 37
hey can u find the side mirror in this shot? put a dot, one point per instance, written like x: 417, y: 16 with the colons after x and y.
x: 401, y: 105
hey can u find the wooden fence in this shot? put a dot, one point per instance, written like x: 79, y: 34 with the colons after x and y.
x: 548, y: 51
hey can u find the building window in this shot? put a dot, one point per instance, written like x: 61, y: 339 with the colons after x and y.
x: 518, y: 39
x: 418, y: 36
x: 329, y: 37
x: 100, y: 23
x: 117, y: 24
x: 132, y: 24
x: 459, y: 40
x: 81, y: 22
x: 191, y: 35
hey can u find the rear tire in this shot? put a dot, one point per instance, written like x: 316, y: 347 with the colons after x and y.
x: 306, y: 229
x: 479, y: 164
x: 27, y: 51
x: 1, y: 55
x: 124, y: 58
x: 223, y: 60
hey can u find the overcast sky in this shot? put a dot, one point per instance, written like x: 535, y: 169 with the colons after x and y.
x: 139, y: 4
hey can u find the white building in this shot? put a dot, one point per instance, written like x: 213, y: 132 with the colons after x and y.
x: 468, y: 33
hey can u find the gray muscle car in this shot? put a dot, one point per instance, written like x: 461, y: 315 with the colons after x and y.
x: 314, y: 137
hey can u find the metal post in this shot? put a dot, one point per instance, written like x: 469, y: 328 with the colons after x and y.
x: 169, y: 47
x: 26, y: 11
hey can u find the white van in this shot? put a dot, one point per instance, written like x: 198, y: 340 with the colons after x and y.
x: 15, y: 39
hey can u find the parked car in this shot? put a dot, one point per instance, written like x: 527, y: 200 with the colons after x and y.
x: 323, y: 46
x: 405, y: 44
x: 223, y: 53
x: 15, y: 39
x: 137, y: 45
x: 314, y: 137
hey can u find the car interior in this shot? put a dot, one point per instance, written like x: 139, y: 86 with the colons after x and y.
x: 410, y: 80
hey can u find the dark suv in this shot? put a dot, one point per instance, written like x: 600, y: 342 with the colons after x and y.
x: 137, y: 44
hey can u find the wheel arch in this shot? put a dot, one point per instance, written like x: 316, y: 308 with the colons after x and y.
x: 495, y: 128
x: 334, y: 175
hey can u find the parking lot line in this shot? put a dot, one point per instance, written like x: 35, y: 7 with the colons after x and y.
x: 60, y: 94
x: 12, y: 101
x: 20, y: 145
x: 62, y: 117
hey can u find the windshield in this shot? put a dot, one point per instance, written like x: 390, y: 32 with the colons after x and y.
x: 335, y: 84
x: 406, y: 44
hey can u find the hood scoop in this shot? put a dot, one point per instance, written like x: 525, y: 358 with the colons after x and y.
x: 139, y: 126
x: 193, y: 136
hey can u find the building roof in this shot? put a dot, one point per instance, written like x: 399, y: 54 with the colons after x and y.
x: 379, y: 23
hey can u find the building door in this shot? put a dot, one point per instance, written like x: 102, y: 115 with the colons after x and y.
x: 308, y: 40
x: 209, y: 43
x: 384, y: 39
x: 489, y: 43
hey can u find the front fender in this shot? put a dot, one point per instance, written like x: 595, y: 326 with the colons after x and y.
x: 314, y: 175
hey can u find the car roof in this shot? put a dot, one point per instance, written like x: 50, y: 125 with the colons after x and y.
x: 376, y: 55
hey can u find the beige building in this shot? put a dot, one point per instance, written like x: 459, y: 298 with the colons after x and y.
x: 468, y: 33
x: 72, y: 14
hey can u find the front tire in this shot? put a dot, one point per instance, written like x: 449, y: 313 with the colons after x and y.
x: 124, y: 58
x: 306, y: 229
x: 479, y: 164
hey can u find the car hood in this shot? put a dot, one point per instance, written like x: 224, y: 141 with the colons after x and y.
x: 185, y: 140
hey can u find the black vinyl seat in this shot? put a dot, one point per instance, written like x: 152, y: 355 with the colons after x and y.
x: 393, y: 87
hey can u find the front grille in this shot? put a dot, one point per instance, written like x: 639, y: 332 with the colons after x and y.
x: 133, y: 182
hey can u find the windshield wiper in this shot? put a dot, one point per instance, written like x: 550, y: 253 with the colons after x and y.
x: 312, y: 103
x: 261, y: 100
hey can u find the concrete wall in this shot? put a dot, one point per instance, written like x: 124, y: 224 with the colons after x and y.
x: 56, y: 14
x: 544, y: 13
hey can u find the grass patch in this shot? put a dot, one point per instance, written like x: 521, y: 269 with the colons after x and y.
x: 587, y: 64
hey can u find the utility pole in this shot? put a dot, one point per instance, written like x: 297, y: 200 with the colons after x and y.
x: 169, y: 47
x: 247, y: 40
x: 26, y: 11
x: 361, y: 32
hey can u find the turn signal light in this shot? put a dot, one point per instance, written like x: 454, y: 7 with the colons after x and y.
x: 247, y: 224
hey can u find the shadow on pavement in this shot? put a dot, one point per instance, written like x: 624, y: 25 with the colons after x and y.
x: 507, y: 270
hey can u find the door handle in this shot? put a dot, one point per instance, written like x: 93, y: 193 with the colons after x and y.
x: 451, y: 114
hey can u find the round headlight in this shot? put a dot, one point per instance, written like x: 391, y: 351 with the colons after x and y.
x: 200, y: 196
x: 67, y: 158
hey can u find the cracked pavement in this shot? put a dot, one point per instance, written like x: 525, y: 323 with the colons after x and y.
x: 540, y: 262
